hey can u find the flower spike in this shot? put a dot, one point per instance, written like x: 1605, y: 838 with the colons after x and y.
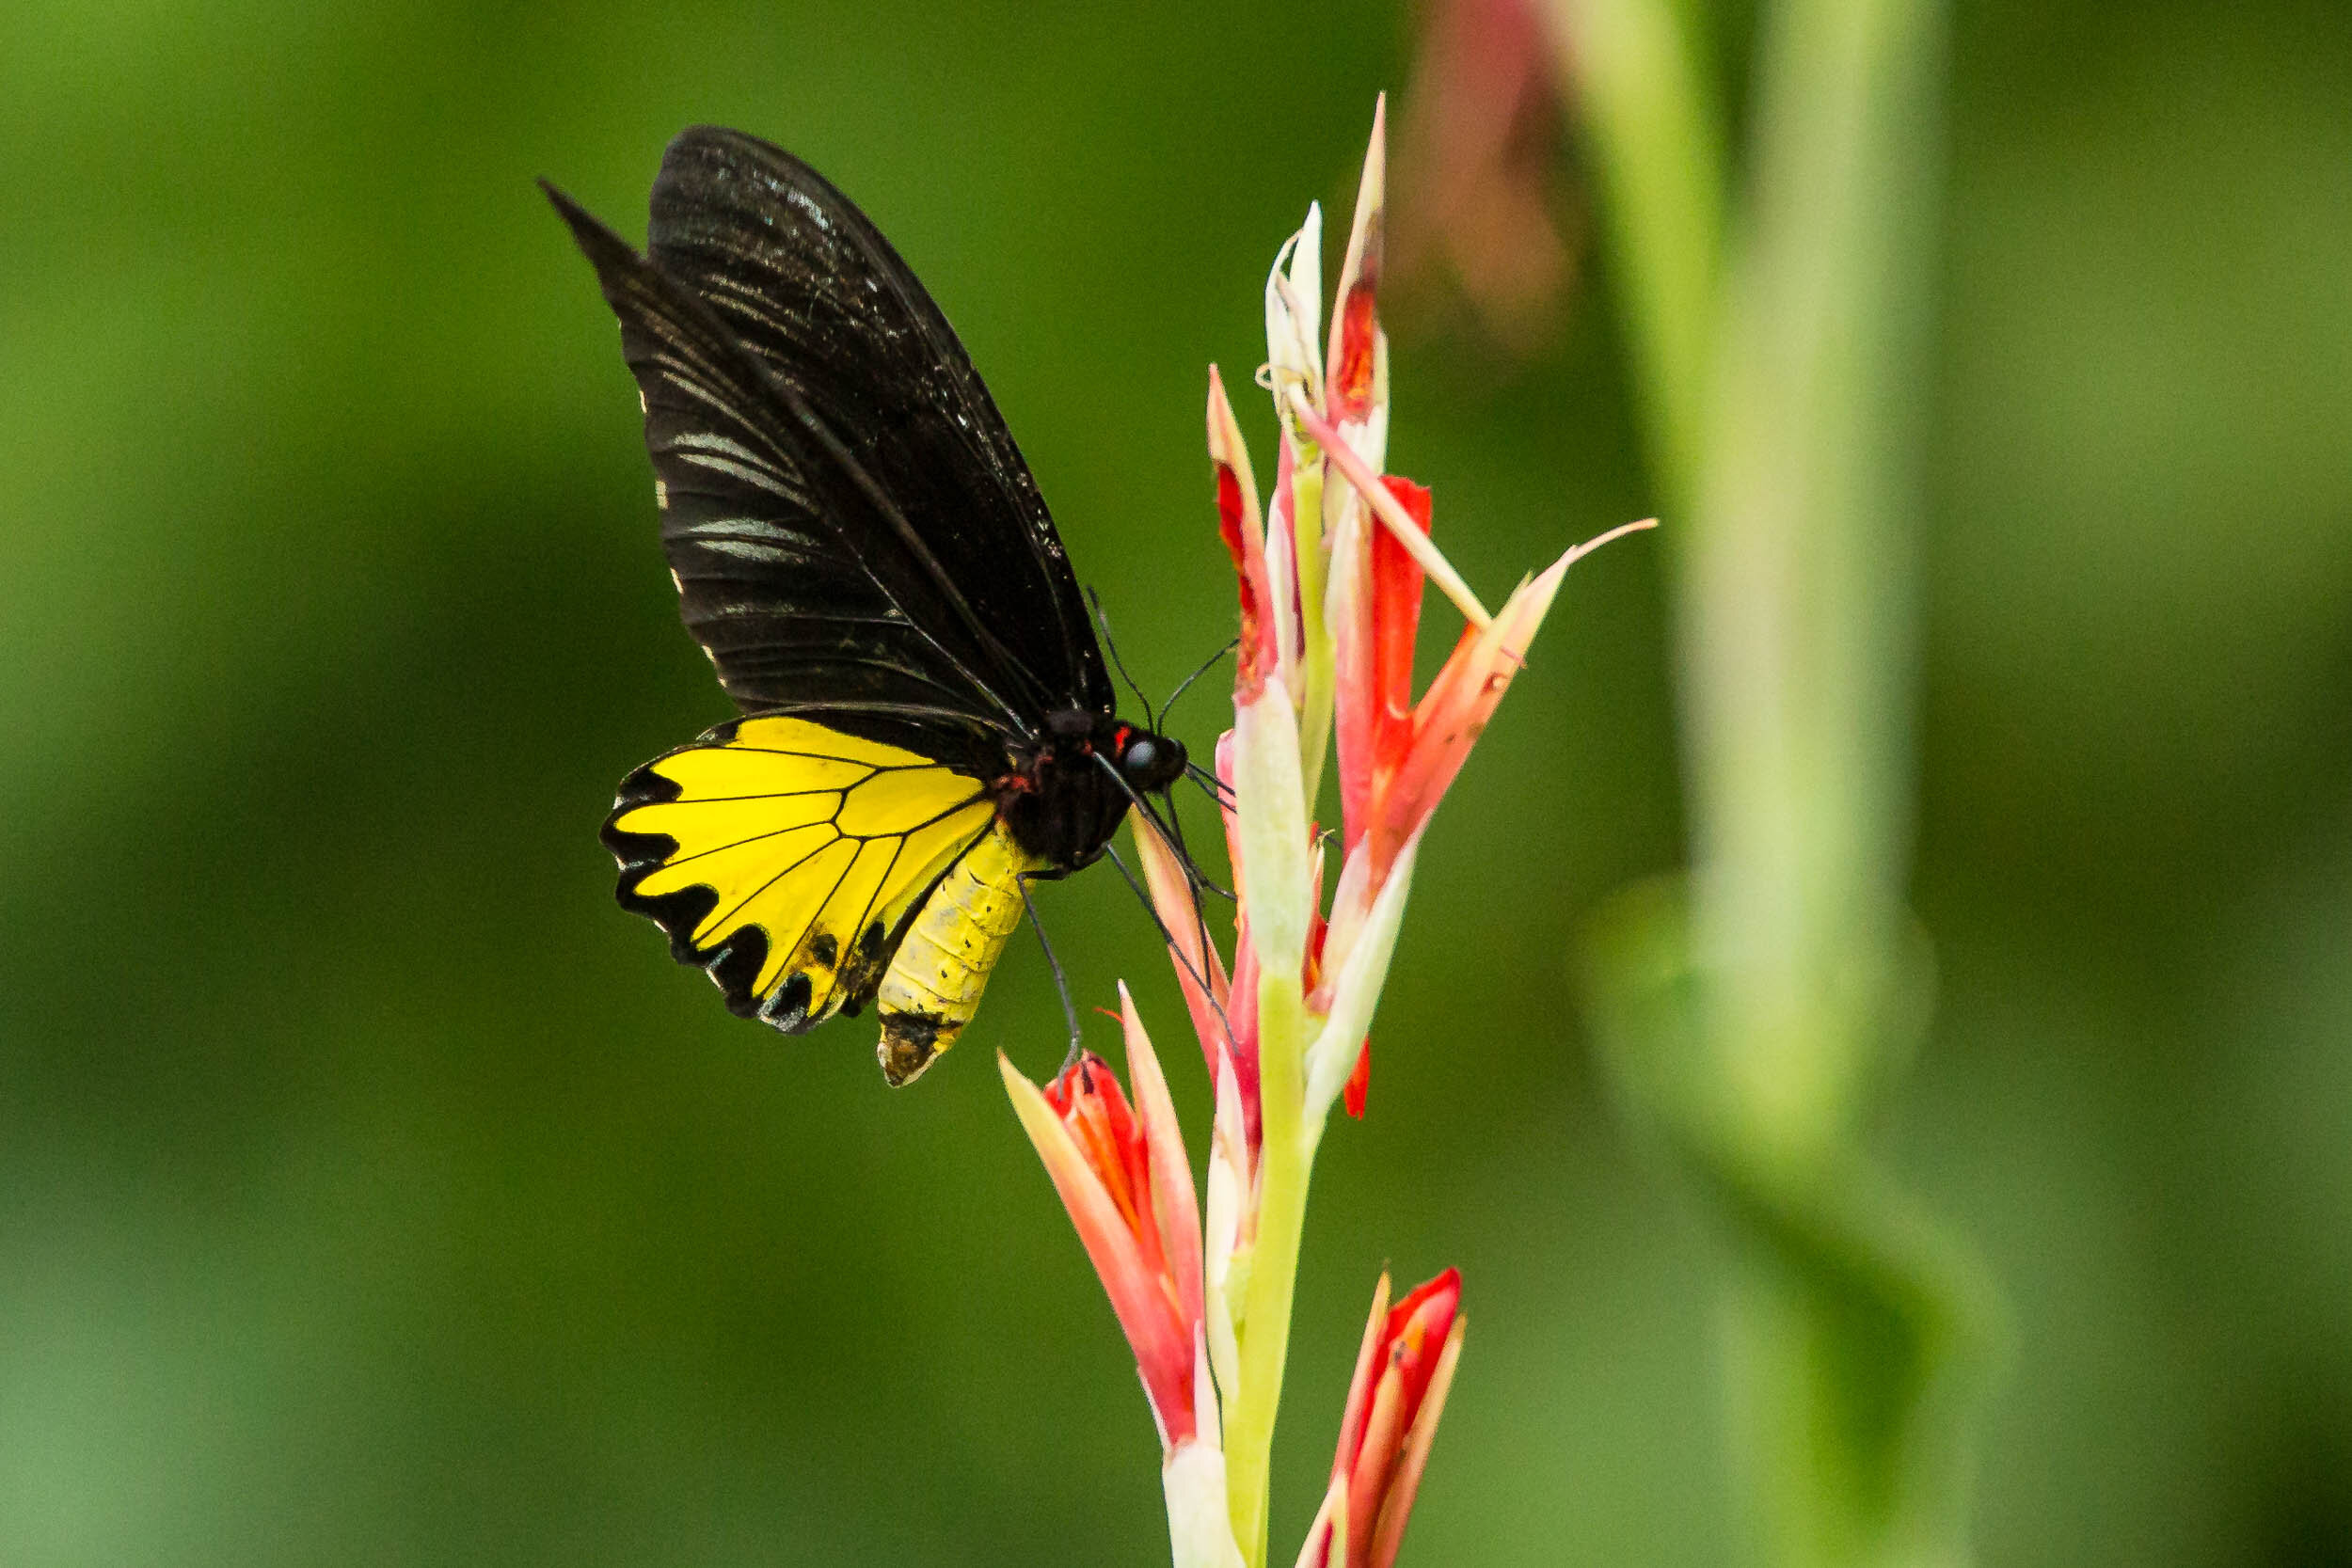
x: 1331, y: 568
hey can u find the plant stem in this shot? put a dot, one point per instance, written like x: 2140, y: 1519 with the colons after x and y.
x: 1286, y: 1160
x: 1657, y: 139
x: 1776, y: 333
x: 1796, y: 597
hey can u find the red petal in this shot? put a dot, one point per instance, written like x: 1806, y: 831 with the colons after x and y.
x: 1454, y: 710
x: 1242, y: 1009
x: 1396, y: 591
x: 1349, y: 394
x: 1352, y: 367
x: 1351, y: 607
x: 1249, y: 568
x: 1359, y: 1081
x: 1243, y: 531
x: 1376, y: 674
x: 1175, y: 1211
x: 1281, y: 551
x: 1416, y: 1331
x: 1138, y: 1286
x: 1192, y: 952
x: 1318, y: 926
x: 1087, y: 1097
x: 1359, y: 1386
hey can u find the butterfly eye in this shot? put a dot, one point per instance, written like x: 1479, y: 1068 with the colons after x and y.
x: 1141, y: 758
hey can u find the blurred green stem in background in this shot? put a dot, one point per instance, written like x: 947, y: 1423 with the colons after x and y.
x: 1748, y: 1016
x: 1655, y: 136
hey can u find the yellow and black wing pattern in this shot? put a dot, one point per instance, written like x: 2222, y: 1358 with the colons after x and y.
x: 791, y: 861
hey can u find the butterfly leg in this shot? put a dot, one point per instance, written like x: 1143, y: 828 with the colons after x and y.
x: 1199, y: 879
x: 1062, y: 981
x: 1175, y: 948
x: 1200, y: 915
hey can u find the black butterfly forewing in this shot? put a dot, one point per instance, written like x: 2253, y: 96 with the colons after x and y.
x: 782, y: 556
x: 848, y: 518
x: 810, y: 285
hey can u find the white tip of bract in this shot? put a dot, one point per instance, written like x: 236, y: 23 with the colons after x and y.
x: 1305, y: 276
x: 1199, y: 1533
x: 1294, y: 311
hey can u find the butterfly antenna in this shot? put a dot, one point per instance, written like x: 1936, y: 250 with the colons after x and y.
x: 1095, y: 601
x: 1062, y: 981
x: 1214, y: 787
x: 1176, y: 949
x: 1185, y: 684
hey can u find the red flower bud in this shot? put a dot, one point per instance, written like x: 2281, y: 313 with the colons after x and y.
x: 1393, y: 1405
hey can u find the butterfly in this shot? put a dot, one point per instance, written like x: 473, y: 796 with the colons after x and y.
x: 927, y: 724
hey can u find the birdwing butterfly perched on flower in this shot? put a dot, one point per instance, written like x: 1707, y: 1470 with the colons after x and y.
x: 861, y: 551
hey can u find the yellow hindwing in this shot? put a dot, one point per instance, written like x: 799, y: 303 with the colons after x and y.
x: 787, y: 859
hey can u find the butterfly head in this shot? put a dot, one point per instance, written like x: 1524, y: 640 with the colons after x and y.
x: 1148, y: 762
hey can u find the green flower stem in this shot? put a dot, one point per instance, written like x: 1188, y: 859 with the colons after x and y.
x: 1286, y: 1160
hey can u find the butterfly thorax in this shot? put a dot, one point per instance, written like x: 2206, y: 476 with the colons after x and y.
x: 1060, y: 802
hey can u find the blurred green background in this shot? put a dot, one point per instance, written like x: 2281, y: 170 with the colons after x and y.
x: 372, y: 1190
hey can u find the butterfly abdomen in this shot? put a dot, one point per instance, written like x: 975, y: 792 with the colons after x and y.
x: 933, y: 984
